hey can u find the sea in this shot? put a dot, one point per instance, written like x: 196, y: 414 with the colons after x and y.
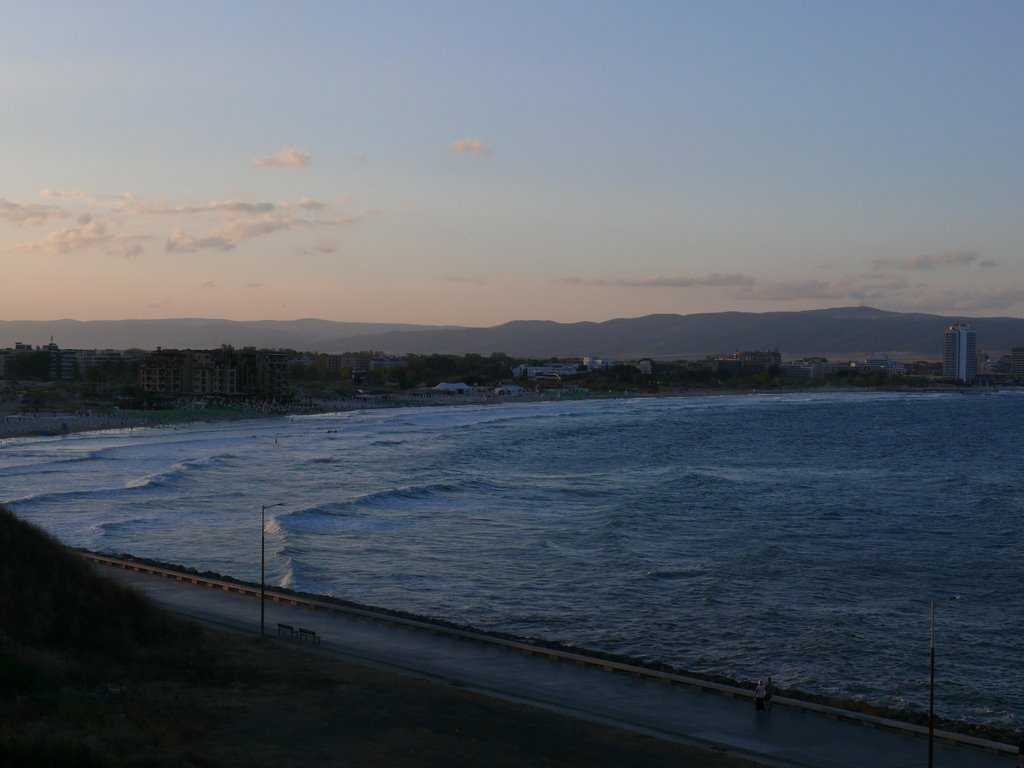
x: 806, y: 536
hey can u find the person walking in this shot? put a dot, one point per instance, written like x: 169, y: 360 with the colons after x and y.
x: 759, y: 694
x: 769, y: 691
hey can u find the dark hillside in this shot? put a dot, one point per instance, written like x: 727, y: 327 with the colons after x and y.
x: 51, y: 600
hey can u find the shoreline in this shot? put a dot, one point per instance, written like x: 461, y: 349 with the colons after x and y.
x: 910, y: 716
x: 54, y: 424
x: 18, y: 424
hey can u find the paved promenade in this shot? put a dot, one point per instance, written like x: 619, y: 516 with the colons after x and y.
x: 786, y: 736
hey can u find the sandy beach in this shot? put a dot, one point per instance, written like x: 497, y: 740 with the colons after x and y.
x: 42, y: 424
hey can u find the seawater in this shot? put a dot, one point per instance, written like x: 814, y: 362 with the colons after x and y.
x: 802, y: 535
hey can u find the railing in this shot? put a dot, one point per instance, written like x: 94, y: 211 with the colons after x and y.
x: 551, y: 653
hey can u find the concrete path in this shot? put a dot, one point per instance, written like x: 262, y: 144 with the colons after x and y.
x: 786, y: 736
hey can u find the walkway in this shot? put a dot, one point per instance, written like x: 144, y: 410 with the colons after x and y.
x: 787, y: 736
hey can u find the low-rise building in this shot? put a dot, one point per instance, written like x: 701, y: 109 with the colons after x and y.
x: 551, y: 370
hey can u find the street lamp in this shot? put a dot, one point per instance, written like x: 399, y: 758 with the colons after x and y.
x: 262, y: 560
x: 931, y: 687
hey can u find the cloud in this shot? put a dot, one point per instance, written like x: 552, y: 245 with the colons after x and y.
x: 324, y: 246
x: 128, y: 247
x: 787, y: 290
x: 309, y: 204
x: 464, y: 280
x: 208, y: 285
x: 286, y: 158
x: 469, y: 147
x: 68, y: 194
x: 235, y: 207
x: 712, y: 280
x: 29, y: 214
x: 229, y: 236
x: 857, y: 289
x: 254, y: 285
x: 955, y: 301
x: 130, y: 204
x: 91, y: 236
x: 929, y: 261
x: 179, y: 242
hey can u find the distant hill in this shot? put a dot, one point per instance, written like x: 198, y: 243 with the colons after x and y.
x: 195, y: 333
x: 841, y: 333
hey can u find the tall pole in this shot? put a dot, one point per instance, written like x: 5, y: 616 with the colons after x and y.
x: 931, y: 694
x: 263, y: 560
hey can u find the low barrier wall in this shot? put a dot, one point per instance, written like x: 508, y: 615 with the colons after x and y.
x: 552, y: 653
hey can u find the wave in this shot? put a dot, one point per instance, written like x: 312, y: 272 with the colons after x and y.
x: 119, y: 526
x: 49, y: 466
x: 177, y: 471
x: 366, y: 512
x: 51, y: 496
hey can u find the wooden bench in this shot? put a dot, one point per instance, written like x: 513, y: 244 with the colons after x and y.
x: 309, y: 634
x: 286, y: 630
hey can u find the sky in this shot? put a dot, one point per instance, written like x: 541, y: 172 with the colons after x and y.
x: 480, y: 162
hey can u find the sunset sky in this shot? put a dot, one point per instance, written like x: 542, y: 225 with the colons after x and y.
x: 474, y: 163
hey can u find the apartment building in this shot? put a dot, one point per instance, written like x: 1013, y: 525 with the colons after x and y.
x: 219, y: 372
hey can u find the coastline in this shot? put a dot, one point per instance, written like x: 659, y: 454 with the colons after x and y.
x: 21, y: 424
x: 859, y: 706
x: 55, y: 424
x: 771, y: 395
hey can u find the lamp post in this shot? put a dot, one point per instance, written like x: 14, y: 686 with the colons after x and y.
x: 262, y: 560
x: 931, y: 688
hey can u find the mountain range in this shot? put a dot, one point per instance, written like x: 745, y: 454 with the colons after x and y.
x: 839, y: 333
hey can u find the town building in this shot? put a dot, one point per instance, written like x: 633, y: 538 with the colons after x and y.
x: 549, y: 371
x: 1017, y: 362
x: 221, y: 372
x: 746, y: 363
x: 880, y: 364
x: 959, y: 356
x: 354, y: 364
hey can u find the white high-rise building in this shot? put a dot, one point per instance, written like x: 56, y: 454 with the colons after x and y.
x: 959, y: 360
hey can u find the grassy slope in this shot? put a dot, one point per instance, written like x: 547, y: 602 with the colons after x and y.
x: 93, y: 675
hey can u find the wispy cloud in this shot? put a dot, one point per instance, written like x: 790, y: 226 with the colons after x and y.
x: 462, y: 280
x: 230, y: 235
x: 286, y: 158
x: 29, y: 214
x: 68, y: 194
x: 306, y: 203
x: 324, y: 246
x: 469, y: 147
x: 855, y: 289
x: 130, y: 204
x: 967, y: 301
x: 92, y: 236
x: 713, y: 279
x: 929, y: 261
